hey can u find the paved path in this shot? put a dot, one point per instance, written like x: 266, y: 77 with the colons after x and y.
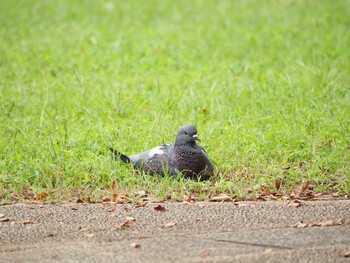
x: 183, y: 232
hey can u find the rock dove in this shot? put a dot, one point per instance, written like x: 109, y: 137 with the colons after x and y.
x: 183, y: 156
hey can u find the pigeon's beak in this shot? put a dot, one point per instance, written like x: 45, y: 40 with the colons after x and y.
x: 195, y: 136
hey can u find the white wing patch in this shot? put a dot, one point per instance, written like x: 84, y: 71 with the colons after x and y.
x: 154, y: 151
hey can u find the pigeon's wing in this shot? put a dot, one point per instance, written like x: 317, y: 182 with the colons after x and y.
x: 155, y: 161
x: 205, y: 155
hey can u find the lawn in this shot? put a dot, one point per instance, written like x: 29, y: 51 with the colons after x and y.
x: 265, y: 82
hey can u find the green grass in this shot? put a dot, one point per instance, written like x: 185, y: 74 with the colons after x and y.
x: 265, y: 82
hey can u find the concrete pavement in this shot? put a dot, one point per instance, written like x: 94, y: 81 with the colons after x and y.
x: 312, y: 231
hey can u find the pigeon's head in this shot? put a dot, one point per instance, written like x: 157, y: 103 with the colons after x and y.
x: 187, y: 135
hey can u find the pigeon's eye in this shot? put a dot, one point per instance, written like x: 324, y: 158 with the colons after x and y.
x: 185, y: 133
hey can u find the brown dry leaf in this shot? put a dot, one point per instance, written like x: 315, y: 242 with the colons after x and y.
x: 347, y: 254
x: 278, y: 183
x: 115, y: 186
x: 74, y: 208
x: 135, y: 245
x: 294, y: 195
x: 294, y: 203
x: 305, y: 186
x: 4, y: 219
x: 141, y: 205
x: 320, y: 224
x: 220, y: 197
x: 159, y: 208
x: 117, y: 199
x: 329, y: 223
x: 106, y: 199
x: 41, y: 196
x: 126, y: 224
x: 166, y: 225
x: 28, y: 222
x: 300, y: 225
x: 158, y: 201
x: 112, y: 209
x: 190, y: 198
x: 80, y: 201
x: 264, y: 190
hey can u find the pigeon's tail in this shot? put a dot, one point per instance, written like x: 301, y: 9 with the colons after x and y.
x: 123, y: 157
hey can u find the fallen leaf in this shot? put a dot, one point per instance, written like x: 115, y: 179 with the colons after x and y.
x: 300, y: 225
x: 141, y: 205
x: 80, y: 201
x: 117, y: 199
x: 220, y: 197
x: 129, y: 218
x: 41, y: 196
x: 126, y: 224
x: 158, y: 201
x: 347, y: 254
x: 294, y: 203
x: 305, y: 186
x: 135, y: 245
x: 278, y: 183
x: 273, y: 197
x: 106, y: 199
x: 264, y: 190
x: 166, y: 225
x: 112, y: 209
x: 159, y: 208
x: 190, y: 198
x: 115, y: 186
x: 28, y: 222
x: 294, y: 195
x: 320, y: 224
x: 4, y: 219
x: 74, y: 208
x: 330, y: 223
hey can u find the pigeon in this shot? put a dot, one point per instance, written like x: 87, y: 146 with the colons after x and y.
x: 183, y: 156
